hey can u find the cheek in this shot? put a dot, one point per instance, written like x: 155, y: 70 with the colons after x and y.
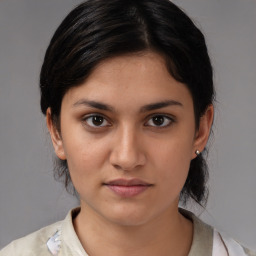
x: 172, y: 159
x: 84, y: 165
x: 85, y: 156
x: 172, y: 179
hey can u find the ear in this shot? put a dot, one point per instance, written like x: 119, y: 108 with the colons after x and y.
x: 55, y: 136
x: 203, y: 131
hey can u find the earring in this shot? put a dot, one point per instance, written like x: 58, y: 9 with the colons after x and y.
x: 197, y: 152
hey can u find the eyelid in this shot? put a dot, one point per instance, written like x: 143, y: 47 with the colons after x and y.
x: 168, y: 116
x: 86, y: 117
x: 171, y: 119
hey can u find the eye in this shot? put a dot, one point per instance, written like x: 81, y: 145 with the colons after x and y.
x: 96, y: 121
x: 159, y: 121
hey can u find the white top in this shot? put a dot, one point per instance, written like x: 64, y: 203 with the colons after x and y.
x: 60, y: 239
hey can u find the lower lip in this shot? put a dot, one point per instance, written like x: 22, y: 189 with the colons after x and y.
x: 128, y: 191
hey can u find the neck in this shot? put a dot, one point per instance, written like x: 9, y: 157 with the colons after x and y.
x: 169, y: 234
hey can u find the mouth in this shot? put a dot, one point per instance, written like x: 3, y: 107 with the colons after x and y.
x: 127, y: 188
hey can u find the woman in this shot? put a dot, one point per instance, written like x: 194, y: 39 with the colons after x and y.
x: 127, y: 90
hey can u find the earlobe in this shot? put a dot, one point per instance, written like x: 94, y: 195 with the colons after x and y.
x: 203, y: 131
x: 55, y: 136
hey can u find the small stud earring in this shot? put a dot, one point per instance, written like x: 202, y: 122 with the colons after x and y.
x: 197, y: 152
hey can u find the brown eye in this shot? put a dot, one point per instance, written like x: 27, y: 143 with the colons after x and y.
x: 96, y: 121
x: 159, y: 121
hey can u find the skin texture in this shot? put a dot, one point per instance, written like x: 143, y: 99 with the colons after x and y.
x: 127, y: 142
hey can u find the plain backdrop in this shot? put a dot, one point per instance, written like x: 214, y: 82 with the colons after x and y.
x: 29, y: 196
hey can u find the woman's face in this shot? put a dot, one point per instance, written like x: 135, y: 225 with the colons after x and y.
x: 128, y: 134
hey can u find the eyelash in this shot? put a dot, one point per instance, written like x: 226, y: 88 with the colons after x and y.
x: 88, y: 120
x: 170, y: 120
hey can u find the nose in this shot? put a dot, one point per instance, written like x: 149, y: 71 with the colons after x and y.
x: 127, y: 151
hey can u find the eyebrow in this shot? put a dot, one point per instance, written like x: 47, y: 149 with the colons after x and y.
x: 106, y: 107
x: 93, y: 104
x: 159, y: 105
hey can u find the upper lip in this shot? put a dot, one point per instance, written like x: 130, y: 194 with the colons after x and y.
x: 127, y: 182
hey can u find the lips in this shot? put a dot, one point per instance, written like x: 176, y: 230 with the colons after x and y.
x: 127, y: 188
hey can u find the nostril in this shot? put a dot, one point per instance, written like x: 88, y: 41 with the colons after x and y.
x: 117, y: 166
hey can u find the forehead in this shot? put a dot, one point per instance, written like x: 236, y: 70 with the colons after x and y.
x: 130, y: 79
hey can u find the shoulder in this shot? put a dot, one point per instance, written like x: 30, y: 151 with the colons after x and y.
x: 32, y: 244
x: 226, y: 246
x: 208, y: 241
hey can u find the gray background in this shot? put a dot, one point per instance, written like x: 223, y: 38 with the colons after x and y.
x: 30, y: 198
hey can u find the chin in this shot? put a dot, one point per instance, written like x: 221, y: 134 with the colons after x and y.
x: 128, y: 217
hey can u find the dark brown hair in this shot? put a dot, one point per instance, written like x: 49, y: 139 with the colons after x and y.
x: 100, y: 29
